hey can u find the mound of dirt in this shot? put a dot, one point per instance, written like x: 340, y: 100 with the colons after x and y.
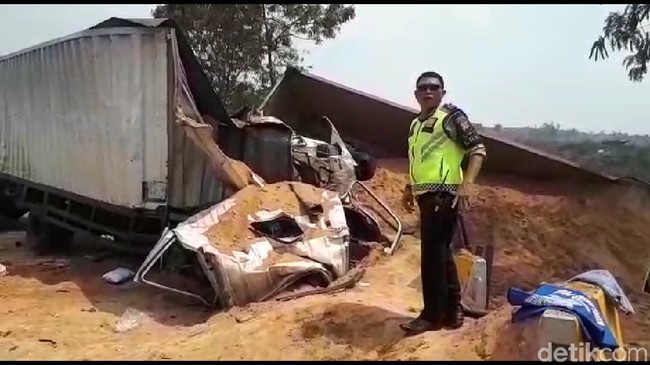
x: 544, y: 231
x: 233, y: 232
x: 540, y: 231
x: 546, y: 238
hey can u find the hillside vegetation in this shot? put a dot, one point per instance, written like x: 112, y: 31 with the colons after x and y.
x: 617, y: 154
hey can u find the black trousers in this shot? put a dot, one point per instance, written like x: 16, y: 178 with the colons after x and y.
x: 440, y: 285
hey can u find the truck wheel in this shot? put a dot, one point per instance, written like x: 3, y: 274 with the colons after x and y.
x: 46, y: 237
x: 366, y: 166
x: 9, y: 209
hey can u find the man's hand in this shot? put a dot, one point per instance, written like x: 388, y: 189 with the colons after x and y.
x: 407, y: 199
x: 463, y: 196
x: 466, y: 190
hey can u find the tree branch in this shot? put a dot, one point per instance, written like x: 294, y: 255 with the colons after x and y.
x: 299, y: 37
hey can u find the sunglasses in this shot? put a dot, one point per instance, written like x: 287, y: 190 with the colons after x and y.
x: 428, y: 87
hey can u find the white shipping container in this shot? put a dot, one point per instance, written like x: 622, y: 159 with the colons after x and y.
x: 94, y: 114
x: 88, y: 114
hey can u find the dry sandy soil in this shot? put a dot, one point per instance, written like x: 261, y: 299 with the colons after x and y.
x: 540, y: 232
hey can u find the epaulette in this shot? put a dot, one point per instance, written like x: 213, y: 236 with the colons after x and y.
x: 451, y: 108
x: 453, y: 111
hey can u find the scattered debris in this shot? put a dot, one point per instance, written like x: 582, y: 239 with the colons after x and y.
x: 47, y: 340
x: 11, y: 240
x: 55, y: 263
x: 118, y: 276
x: 131, y: 319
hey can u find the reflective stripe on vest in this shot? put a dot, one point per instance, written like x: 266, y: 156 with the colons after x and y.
x: 434, y: 158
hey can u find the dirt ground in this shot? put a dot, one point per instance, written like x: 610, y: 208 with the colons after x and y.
x: 541, y: 231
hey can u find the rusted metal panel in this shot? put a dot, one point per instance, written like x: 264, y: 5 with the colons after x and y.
x: 381, y: 127
x: 88, y: 114
x: 265, y: 148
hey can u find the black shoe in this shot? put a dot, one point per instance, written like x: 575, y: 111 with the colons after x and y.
x: 455, y: 318
x: 418, y: 326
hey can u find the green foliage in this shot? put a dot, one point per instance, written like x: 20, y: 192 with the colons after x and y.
x: 614, y: 159
x: 244, y: 48
x: 616, y: 154
x: 627, y: 31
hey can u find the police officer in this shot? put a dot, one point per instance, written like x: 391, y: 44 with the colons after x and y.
x: 439, y: 139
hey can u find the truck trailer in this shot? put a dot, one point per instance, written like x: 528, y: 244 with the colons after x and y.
x: 92, y: 139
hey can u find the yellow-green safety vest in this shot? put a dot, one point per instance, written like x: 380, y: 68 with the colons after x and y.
x: 434, y: 158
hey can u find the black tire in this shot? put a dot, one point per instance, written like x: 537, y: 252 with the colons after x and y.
x: 9, y: 209
x: 366, y: 166
x: 45, y: 237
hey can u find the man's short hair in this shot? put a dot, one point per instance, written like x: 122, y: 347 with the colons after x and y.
x: 431, y: 74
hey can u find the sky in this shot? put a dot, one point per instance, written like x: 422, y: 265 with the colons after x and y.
x: 517, y: 65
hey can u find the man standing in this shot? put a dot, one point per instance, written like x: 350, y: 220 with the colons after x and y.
x: 439, y: 139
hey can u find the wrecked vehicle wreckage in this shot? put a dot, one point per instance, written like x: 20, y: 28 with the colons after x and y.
x: 287, y: 239
x: 316, y: 234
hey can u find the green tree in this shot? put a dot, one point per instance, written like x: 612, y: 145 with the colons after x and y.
x: 244, y: 48
x: 627, y: 31
x: 222, y: 38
